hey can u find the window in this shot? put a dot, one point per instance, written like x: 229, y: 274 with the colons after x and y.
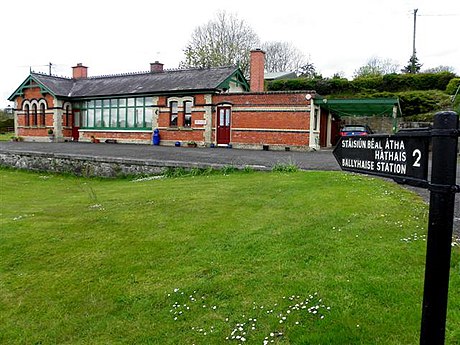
x: 67, y: 116
x: 42, y: 114
x: 148, y: 117
x: 187, y: 114
x: 120, y: 113
x: 34, y: 115
x: 173, y: 116
x: 27, y: 115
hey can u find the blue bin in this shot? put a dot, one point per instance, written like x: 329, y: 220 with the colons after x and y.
x: 156, y: 137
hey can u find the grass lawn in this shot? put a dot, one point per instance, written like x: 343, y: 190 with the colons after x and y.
x: 6, y: 136
x: 247, y: 258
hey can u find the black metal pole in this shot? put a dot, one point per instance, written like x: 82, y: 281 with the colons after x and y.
x: 440, y: 224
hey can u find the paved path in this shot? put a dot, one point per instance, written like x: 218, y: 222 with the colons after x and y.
x: 318, y: 160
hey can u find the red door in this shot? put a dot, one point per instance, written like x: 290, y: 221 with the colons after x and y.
x: 76, y: 126
x: 323, y: 128
x: 223, y: 125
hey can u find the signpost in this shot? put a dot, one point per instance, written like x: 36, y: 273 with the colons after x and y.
x: 400, y: 156
x: 404, y: 157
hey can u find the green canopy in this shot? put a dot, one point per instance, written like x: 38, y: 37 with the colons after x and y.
x: 360, y: 107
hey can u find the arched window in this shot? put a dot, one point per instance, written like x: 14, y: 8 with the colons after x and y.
x: 34, y: 115
x: 27, y: 116
x: 42, y: 114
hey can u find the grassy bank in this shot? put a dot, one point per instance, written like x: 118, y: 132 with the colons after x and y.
x: 6, y: 136
x: 298, y: 258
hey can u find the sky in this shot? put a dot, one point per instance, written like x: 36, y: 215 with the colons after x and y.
x: 126, y: 36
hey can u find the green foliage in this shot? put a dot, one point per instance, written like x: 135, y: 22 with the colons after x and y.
x: 6, y: 136
x: 6, y: 123
x: 413, y: 66
x: 285, y: 167
x: 226, y: 40
x: 376, y: 66
x: 323, y: 86
x: 375, y: 83
x: 452, y: 86
x: 368, y: 83
x: 228, y: 169
x: 417, y: 102
x: 176, y: 172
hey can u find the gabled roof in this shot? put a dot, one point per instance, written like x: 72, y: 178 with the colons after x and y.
x: 168, y: 81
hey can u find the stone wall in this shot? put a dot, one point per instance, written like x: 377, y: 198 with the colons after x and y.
x: 80, y: 166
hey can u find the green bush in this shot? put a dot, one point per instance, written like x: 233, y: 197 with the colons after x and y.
x: 321, y: 86
x: 417, y: 102
x: 388, y: 82
x: 368, y: 83
x: 4, y: 124
x: 452, y: 87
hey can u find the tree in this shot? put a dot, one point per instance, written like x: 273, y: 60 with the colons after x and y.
x: 283, y: 57
x: 224, y: 41
x: 440, y: 69
x: 413, y: 66
x: 376, y: 66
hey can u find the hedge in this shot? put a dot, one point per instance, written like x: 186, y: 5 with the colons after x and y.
x: 417, y: 102
x: 453, y: 86
x: 388, y: 82
x: 4, y: 124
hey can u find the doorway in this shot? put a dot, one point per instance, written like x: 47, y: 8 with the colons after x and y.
x: 76, y: 125
x: 223, y: 125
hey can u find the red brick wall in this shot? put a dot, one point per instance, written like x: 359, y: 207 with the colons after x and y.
x: 128, y: 136
x: 270, y: 138
x: 268, y: 118
x: 182, y: 135
x: 32, y: 132
x: 39, y: 129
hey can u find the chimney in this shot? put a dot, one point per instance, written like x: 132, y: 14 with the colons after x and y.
x: 80, y: 71
x: 156, y: 67
x: 256, y: 70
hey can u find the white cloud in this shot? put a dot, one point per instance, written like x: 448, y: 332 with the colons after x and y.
x: 116, y: 37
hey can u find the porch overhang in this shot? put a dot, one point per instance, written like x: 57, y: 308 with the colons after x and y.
x: 360, y: 107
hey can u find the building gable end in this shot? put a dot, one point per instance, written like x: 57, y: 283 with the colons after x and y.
x: 236, y: 77
x: 30, y: 82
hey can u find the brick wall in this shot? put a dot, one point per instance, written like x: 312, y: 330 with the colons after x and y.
x: 258, y: 119
x: 127, y: 137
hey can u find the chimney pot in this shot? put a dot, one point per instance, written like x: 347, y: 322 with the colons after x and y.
x: 80, y: 71
x: 156, y: 67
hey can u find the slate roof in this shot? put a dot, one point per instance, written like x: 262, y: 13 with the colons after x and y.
x: 168, y: 81
x: 279, y: 75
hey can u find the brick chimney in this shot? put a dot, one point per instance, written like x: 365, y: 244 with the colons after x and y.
x: 80, y: 71
x: 256, y: 70
x: 156, y: 67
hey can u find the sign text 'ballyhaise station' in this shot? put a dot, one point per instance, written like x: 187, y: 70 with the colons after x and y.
x: 390, y: 156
